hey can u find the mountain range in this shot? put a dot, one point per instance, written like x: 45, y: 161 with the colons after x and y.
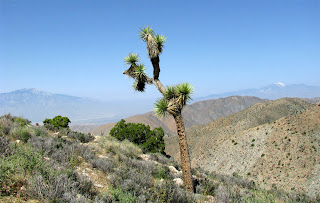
x: 38, y: 105
x: 274, y: 143
x: 275, y: 91
x: 201, y: 112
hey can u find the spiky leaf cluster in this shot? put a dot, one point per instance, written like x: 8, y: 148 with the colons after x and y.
x: 161, y: 107
x: 155, y: 42
x: 136, y: 71
x: 140, y: 77
x: 181, y: 93
x: 131, y: 59
x: 175, y: 98
x: 160, y: 40
x: 144, y: 32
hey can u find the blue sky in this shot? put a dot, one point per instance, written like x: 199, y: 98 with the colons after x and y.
x: 77, y: 47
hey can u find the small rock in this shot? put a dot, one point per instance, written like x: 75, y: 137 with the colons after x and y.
x: 203, y: 198
x: 174, y: 171
x: 98, y: 185
x: 23, y: 188
x: 145, y: 157
x: 211, y: 199
x: 102, y: 156
x: 178, y: 181
x: 88, y: 169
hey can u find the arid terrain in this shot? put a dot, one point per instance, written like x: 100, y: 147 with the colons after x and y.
x: 276, y: 144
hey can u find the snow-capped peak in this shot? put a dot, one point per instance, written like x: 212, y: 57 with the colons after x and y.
x: 280, y: 84
x: 34, y: 91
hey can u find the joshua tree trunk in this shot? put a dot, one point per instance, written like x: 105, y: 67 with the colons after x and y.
x: 184, y: 153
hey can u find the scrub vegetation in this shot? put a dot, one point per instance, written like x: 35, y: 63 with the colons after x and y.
x: 40, y: 165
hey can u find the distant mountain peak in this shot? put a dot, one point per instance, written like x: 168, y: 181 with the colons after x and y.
x: 276, y: 90
x: 34, y: 91
x: 280, y: 84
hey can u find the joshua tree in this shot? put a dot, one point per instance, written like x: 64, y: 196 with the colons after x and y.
x: 174, y: 97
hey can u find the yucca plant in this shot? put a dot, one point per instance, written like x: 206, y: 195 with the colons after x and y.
x: 160, y: 40
x: 161, y: 107
x: 141, y: 78
x: 145, y: 31
x: 174, y: 97
x: 132, y: 60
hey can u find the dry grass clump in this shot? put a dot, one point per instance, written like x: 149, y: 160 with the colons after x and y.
x: 106, y: 165
x: 115, y: 147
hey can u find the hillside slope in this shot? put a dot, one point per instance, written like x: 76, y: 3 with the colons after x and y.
x: 40, y: 165
x: 271, y: 143
x: 197, y: 113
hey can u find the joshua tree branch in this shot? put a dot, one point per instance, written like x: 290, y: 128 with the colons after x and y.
x: 150, y: 81
x: 156, y: 67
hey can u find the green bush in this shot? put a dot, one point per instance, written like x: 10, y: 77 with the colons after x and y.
x: 120, y: 196
x: 162, y: 173
x: 17, y: 166
x: 22, y: 121
x: 57, y: 122
x: 140, y: 134
x: 9, y: 122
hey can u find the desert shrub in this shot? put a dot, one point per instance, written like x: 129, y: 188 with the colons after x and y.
x: 22, y: 121
x: 14, y: 169
x: 9, y: 123
x: 118, y: 195
x: 50, y: 179
x: 162, y: 172
x: 40, y: 131
x: 131, y: 180
x: 4, y: 146
x: 61, y: 188
x: 147, y: 166
x: 163, y: 159
x: 64, y: 152
x: 84, y: 138
x: 140, y: 134
x: 167, y: 191
x: 104, y: 198
x: 104, y: 164
x: 21, y: 133
x: 124, y: 148
x: 50, y: 127
x: 260, y: 196
x: 205, y: 186
x: 227, y: 193
x: 5, y: 130
x: 235, y: 179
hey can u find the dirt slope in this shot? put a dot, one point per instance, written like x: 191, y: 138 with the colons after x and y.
x: 271, y: 143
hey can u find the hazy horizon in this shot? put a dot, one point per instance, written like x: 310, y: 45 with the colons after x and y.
x: 151, y: 97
